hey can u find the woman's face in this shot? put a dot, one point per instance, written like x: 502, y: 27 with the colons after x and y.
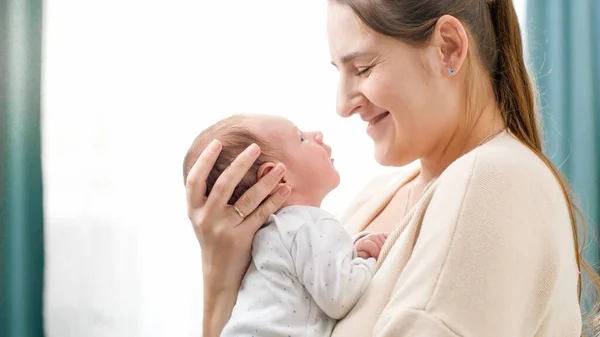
x: 402, y: 92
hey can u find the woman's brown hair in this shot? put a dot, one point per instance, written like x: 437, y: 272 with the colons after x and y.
x: 494, y: 29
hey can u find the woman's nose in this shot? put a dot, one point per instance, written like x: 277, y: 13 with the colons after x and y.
x: 349, y: 101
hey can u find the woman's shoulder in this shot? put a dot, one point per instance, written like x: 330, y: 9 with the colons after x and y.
x: 503, y: 161
x: 502, y: 181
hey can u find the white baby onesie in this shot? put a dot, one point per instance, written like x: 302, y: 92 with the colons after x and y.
x: 304, y: 276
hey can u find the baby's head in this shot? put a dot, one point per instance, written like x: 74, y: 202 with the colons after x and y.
x: 309, y: 167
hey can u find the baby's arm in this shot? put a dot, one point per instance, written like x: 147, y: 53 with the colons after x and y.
x: 329, y: 267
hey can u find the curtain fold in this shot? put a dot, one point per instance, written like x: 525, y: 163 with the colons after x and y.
x: 564, y: 51
x: 21, y: 204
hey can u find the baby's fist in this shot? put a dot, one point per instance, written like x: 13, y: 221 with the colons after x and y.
x: 370, y: 245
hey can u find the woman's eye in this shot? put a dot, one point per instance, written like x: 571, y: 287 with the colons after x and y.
x: 363, y: 70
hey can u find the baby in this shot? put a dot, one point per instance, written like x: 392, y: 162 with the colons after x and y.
x: 306, y: 272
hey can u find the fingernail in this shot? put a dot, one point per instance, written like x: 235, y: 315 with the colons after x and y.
x: 278, y: 169
x: 285, y: 190
x: 252, y: 150
x: 213, y: 146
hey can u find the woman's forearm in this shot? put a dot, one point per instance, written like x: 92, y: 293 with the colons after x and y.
x: 218, y: 305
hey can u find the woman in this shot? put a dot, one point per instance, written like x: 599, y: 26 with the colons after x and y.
x: 484, y: 239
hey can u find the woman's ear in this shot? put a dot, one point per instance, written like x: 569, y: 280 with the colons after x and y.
x: 265, y: 168
x: 451, y: 42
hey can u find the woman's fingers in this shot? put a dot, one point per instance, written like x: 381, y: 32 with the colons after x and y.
x: 250, y: 200
x: 231, y: 177
x: 195, y: 184
x: 270, y: 206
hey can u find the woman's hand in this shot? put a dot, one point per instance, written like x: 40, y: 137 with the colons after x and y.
x: 225, y: 236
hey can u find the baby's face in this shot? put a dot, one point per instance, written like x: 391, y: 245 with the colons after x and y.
x: 310, y: 170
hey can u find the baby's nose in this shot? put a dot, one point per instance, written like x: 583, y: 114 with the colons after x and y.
x: 319, y: 137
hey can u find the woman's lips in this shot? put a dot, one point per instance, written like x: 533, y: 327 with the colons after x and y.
x: 378, y: 118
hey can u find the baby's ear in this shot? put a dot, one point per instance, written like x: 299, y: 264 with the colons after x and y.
x: 264, y: 169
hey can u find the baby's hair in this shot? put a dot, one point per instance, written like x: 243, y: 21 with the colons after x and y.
x: 235, y: 138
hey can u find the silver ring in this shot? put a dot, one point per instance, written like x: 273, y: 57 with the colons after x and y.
x: 238, y: 212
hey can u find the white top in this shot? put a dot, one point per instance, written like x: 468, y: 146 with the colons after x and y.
x: 304, y: 275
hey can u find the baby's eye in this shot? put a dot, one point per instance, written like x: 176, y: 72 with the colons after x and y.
x: 302, y: 139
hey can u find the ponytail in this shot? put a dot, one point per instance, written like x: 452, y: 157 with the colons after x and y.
x: 512, y: 85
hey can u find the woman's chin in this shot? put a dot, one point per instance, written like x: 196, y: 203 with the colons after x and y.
x: 386, y: 156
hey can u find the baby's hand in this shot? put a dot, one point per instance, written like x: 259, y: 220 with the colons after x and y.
x: 370, y: 245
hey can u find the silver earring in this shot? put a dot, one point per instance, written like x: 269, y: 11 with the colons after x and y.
x: 452, y: 71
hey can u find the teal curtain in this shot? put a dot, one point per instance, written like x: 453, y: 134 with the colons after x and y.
x: 564, y: 52
x: 21, y: 207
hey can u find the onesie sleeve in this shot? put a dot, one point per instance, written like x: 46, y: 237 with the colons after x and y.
x: 327, y: 264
